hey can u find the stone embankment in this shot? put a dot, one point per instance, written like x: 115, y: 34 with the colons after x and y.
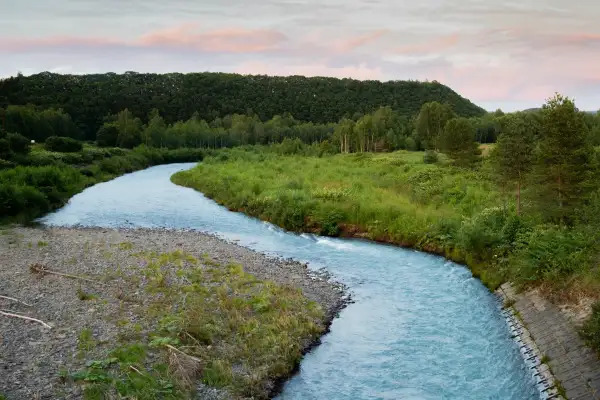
x: 562, y: 365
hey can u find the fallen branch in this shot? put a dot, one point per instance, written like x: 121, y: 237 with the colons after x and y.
x: 136, y: 370
x: 181, y: 352
x: 40, y: 269
x: 15, y: 300
x: 9, y: 314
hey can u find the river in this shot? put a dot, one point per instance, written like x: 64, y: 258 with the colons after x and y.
x: 421, y: 327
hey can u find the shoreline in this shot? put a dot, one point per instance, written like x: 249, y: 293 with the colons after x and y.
x: 566, y: 367
x: 54, y: 298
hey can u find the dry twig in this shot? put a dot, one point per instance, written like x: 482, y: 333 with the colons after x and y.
x: 10, y: 314
x: 40, y: 269
x: 15, y: 300
x: 136, y: 370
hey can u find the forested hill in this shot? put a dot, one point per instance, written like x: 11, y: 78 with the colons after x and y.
x: 89, y: 98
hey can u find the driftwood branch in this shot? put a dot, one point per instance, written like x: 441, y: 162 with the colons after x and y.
x: 136, y: 370
x: 10, y: 314
x: 181, y: 352
x: 40, y: 269
x: 15, y: 300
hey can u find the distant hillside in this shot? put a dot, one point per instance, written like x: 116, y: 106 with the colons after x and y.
x: 88, y: 98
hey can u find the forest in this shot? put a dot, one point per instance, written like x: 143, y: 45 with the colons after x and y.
x: 90, y: 98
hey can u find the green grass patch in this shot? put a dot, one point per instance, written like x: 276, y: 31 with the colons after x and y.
x: 212, y: 323
x: 392, y: 197
x: 400, y: 198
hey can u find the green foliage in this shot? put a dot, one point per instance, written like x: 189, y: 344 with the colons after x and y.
x: 410, y: 144
x: 590, y: 331
x: 107, y: 135
x: 430, y: 157
x: 564, y: 168
x: 39, y: 125
x: 179, y: 96
x: 431, y: 121
x: 458, y: 141
x: 551, y: 253
x: 213, y: 323
x: 513, y: 154
x: 393, y: 197
x: 28, y: 192
x: 62, y: 144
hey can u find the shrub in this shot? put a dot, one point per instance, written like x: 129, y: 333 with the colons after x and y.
x: 430, y: 157
x: 18, y: 143
x: 590, y: 331
x: 410, y: 144
x: 62, y: 144
x: 5, y: 148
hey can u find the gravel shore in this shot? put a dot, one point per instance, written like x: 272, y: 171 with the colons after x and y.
x: 33, y: 356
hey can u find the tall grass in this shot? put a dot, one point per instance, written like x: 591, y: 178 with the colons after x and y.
x: 398, y: 198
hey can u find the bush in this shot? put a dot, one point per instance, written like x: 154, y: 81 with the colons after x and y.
x: 410, y: 144
x: 551, y: 253
x: 4, y: 164
x: 5, y: 148
x: 590, y: 331
x: 62, y: 144
x: 430, y: 157
x: 19, y: 144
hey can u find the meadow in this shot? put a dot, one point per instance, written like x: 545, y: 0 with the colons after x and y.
x: 462, y: 214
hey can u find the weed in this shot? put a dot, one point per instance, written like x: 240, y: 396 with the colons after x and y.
x: 86, y: 341
x: 41, y: 243
x: 84, y: 296
x: 509, y: 303
x: 545, y: 359
x: 125, y: 246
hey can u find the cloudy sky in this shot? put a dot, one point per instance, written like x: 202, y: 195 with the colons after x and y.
x: 499, y: 53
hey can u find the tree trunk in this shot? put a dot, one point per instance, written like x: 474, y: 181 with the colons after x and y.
x: 518, y: 198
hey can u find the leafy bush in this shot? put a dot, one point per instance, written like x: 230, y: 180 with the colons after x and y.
x: 62, y: 144
x: 430, y: 157
x: 590, y: 331
x: 410, y: 144
x: 4, y: 164
x: 18, y: 144
x: 551, y: 253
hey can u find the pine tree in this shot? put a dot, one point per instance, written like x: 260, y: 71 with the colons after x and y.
x: 457, y: 140
x: 564, y: 162
x: 513, y: 157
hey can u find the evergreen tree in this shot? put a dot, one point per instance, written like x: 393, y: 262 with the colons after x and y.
x: 458, y: 141
x: 564, y: 162
x: 512, y: 157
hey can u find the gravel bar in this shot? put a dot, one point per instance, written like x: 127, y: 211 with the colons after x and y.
x: 31, y: 355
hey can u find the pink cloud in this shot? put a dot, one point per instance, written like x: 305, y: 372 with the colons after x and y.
x: 232, y: 40
x: 350, y: 44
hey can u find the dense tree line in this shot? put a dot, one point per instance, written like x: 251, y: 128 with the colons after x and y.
x: 89, y: 98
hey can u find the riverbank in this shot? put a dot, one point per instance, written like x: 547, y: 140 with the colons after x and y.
x: 549, y: 340
x: 127, y: 317
x: 41, y: 181
x: 397, y: 198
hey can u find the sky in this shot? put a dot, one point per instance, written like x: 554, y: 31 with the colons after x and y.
x: 498, y: 53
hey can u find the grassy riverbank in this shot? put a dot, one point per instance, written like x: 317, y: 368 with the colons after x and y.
x: 152, y: 314
x: 40, y: 181
x: 397, y: 198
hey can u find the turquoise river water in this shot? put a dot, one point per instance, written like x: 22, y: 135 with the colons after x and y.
x: 421, y: 327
